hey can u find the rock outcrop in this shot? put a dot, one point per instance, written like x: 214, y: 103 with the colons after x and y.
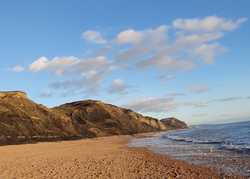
x: 173, y: 123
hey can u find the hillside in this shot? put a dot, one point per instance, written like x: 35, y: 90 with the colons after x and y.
x: 173, y: 123
x: 22, y: 120
x: 96, y: 118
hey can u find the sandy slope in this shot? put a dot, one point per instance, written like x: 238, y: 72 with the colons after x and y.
x: 106, y: 157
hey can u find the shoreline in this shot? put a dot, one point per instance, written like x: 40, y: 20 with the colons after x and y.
x: 104, y: 157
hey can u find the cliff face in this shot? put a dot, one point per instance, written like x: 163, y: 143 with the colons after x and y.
x: 173, y: 123
x: 22, y: 120
x: 99, y: 119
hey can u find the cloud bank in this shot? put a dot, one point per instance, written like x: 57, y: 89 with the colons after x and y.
x: 183, y: 45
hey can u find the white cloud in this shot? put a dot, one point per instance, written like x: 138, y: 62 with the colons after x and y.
x: 129, y: 36
x: 164, y: 49
x: 118, y: 87
x: 190, y: 40
x: 161, y: 105
x: 38, y: 65
x: 152, y: 104
x: 142, y: 42
x: 208, y: 24
x: 93, y: 36
x: 207, y: 52
x: 198, y: 88
x: 168, y: 103
x: 154, y: 48
x: 87, y: 74
x: 57, y: 64
x: 99, y: 63
x: 61, y: 65
x: 229, y: 99
x: 165, y: 62
x: 18, y: 68
x: 135, y: 37
x: 89, y: 84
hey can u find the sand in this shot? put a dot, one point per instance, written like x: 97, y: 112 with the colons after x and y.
x: 107, y: 157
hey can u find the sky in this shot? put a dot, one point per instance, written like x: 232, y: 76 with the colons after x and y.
x: 187, y: 59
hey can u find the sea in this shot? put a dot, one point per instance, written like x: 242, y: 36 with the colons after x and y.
x: 224, y: 147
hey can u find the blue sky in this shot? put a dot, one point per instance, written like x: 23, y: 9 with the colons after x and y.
x: 188, y: 59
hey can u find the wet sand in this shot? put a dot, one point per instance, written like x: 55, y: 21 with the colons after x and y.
x: 107, y: 157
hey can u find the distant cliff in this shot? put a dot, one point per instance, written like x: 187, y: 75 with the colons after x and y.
x: 22, y: 120
x: 173, y: 123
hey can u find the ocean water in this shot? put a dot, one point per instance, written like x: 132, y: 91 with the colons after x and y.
x: 225, y: 147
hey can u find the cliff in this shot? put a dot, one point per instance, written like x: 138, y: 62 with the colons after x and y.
x: 22, y: 120
x: 100, y: 119
x: 173, y: 123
